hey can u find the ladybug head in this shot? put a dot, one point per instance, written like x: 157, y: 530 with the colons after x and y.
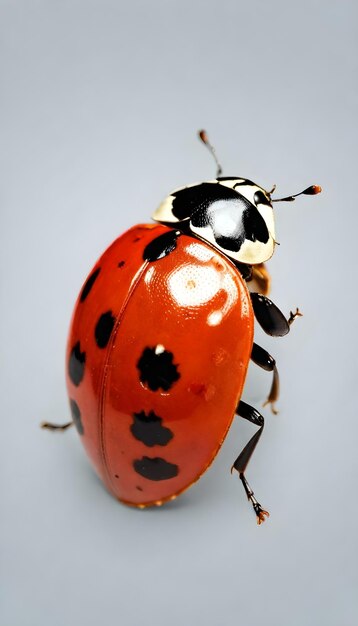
x: 233, y: 214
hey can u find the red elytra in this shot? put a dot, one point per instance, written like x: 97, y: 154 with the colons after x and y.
x: 148, y: 437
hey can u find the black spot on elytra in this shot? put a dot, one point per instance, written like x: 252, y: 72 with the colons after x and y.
x: 76, y: 416
x: 137, y: 239
x: 89, y: 284
x: 139, y: 488
x: 103, y: 329
x: 155, y: 468
x: 116, y: 476
x: 76, y: 364
x: 121, y: 263
x: 149, y: 429
x: 157, y: 369
x: 161, y: 246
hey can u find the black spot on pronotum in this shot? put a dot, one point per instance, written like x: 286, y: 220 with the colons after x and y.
x: 157, y: 369
x: 155, y: 468
x: 103, y: 329
x: 242, y: 219
x: 260, y: 198
x: 230, y: 243
x: 76, y: 416
x: 121, y: 263
x: 255, y: 226
x: 245, y: 181
x: 76, y: 364
x: 148, y: 429
x: 89, y: 284
x: 190, y: 199
x: 161, y: 246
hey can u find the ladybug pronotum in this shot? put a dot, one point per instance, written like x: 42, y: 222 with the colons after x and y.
x: 162, y: 334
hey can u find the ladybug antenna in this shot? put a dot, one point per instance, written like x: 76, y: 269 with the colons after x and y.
x: 204, y: 138
x: 310, y: 191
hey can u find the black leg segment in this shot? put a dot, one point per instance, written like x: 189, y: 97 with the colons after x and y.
x: 269, y: 316
x: 267, y: 362
x: 252, y: 415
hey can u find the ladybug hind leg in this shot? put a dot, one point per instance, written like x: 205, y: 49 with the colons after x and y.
x: 252, y: 415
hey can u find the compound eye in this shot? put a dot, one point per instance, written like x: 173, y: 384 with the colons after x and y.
x: 261, y: 198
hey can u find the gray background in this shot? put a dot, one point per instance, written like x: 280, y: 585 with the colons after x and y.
x: 100, y: 105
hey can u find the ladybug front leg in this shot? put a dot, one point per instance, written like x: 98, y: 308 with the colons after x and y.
x: 267, y: 362
x: 269, y: 316
x: 252, y: 415
x: 260, y: 278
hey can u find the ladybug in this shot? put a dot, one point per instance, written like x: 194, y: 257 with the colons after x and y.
x: 162, y: 335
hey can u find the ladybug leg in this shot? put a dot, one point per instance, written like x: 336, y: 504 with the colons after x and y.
x: 252, y: 415
x: 294, y: 315
x: 50, y: 426
x: 76, y: 420
x: 261, y: 278
x: 269, y: 316
x: 267, y: 362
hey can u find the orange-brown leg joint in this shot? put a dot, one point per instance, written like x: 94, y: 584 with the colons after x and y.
x: 261, y: 279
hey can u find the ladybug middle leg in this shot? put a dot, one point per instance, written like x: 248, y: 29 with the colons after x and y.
x: 267, y: 362
x: 274, y: 323
x: 252, y: 415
